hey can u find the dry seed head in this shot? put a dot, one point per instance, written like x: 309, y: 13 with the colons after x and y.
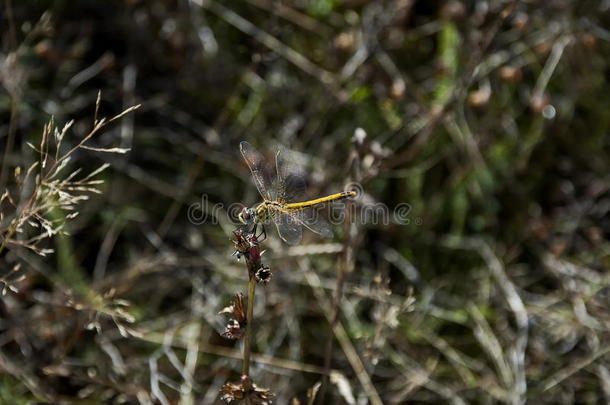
x: 263, y: 275
x: 231, y: 392
x: 235, y: 328
x: 51, y: 190
x: 236, y: 308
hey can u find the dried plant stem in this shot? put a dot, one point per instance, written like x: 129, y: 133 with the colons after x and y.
x: 5, y: 238
x: 12, y: 133
x: 249, y: 328
x: 12, y: 229
x: 349, y: 350
x: 336, y: 308
x: 271, y: 42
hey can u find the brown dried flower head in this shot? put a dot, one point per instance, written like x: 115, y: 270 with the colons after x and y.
x: 242, y: 246
x: 235, y: 328
x: 246, y: 389
x: 263, y: 274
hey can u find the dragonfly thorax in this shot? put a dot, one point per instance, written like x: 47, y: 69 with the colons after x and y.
x: 266, y: 211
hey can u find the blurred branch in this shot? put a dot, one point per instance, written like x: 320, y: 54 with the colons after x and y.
x: 516, y: 379
x: 21, y: 372
x: 294, y: 16
x: 550, y: 66
x: 561, y: 375
x: 435, y: 115
x: 290, y: 54
x: 341, y: 335
x: 222, y: 351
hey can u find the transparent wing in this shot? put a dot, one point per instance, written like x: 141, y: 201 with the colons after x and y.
x: 313, y: 219
x: 290, y: 179
x: 259, y: 169
x: 289, y: 228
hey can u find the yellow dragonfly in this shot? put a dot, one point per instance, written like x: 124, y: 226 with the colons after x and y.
x: 282, y: 187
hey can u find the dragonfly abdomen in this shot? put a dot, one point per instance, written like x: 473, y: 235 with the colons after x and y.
x: 268, y: 210
x: 306, y: 204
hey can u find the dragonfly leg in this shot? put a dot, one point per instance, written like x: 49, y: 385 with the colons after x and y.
x: 263, y: 234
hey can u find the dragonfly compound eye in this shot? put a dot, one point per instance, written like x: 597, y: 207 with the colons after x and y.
x: 245, y: 216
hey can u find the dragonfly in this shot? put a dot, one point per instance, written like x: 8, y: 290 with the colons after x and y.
x: 280, y: 182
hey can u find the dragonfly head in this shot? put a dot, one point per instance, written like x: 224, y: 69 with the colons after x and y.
x: 247, y: 216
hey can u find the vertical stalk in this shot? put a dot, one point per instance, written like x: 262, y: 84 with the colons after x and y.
x: 249, y: 326
x: 346, y: 266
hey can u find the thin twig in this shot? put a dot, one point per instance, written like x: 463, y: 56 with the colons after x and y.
x: 249, y: 328
x: 294, y: 16
x: 551, y: 65
x: 564, y: 373
x: 10, y: 141
x: 294, y: 57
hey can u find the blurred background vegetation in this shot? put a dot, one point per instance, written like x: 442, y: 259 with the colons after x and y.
x: 488, y: 118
